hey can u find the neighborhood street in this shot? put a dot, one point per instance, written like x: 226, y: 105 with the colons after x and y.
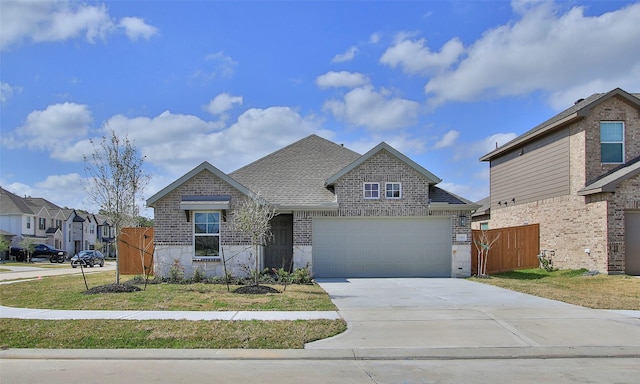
x: 400, y: 331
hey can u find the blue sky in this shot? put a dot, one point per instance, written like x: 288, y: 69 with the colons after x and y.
x: 230, y: 82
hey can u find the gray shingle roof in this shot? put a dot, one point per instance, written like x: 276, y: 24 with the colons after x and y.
x: 11, y: 203
x: 295, y: 175
x: 610, y: 180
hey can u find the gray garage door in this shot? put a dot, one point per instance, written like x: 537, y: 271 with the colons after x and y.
x: 632, y: 242
x: 382, y: 247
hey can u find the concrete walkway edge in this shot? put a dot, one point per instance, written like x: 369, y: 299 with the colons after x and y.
x: 58, y: 314
x: 505, y: 353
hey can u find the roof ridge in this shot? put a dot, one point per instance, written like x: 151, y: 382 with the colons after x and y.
x: 283, y: 149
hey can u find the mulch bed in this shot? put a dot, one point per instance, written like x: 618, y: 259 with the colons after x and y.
x: 112, y: 288
x: 256, y: 290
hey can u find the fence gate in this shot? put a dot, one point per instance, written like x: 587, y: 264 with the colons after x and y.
x: 516, y: 248
x: 135, y: 248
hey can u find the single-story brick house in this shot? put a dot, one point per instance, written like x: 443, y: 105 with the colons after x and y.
x: 340, y: 213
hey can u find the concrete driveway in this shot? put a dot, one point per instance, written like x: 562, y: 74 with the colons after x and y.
x: 427, y: 314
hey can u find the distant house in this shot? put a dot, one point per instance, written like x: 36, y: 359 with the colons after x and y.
x: 341, y: 213
x: 34, y: 218
x: 577, y: 175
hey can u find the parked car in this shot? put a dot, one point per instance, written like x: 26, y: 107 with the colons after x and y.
x: 54, y: 255
x: 18, y: 253
x: 88, y: 258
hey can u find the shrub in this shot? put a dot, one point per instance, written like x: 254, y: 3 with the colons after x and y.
x: 176, y: 272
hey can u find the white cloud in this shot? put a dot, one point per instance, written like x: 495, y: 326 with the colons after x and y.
x: 472, y: 192
x: 217, y: 66
x: 136, y: 28
x: 6, y: 91
x: 348, y: 55
x: 377, y: 111
x: 545, y: 50
x: 375, y: 38
x: 448, y: 139
x: 177, y: 143
x: 52, y: 128
x: 222, y: 103
x: 416, y: 58
x: 59, y: 20
x: 342, y: 79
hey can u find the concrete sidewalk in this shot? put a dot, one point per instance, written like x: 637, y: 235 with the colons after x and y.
x: 26, y: 272
x: 57, y: 314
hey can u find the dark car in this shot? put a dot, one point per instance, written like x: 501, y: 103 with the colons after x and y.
x: 88, y: 258
x: 54, y: 255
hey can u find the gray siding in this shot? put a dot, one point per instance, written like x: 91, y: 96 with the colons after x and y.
x: 540, y: 171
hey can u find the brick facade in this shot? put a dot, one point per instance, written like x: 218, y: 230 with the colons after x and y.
x: 585, y: 231
x: 174, y: 234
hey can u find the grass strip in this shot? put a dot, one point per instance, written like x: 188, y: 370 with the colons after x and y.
x: 175, y: 334
x: 572, y: 286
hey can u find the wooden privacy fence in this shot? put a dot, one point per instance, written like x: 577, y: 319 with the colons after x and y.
x: 135, y: 248
x: 516, y: 248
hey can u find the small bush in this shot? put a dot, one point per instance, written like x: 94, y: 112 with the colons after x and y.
x: 301, y: 276
x: 176, y: 272
x: 199, y: 275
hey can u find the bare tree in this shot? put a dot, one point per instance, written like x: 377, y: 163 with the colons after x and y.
x: 253, y: 217
x: 115, y: 177
x: 483, y: 243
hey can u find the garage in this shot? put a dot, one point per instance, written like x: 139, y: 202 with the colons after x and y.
x: 382, y: 247
x: 632, y: 242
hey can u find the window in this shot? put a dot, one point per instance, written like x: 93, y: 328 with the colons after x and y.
x: 42, y: 223
x: 393, y: 190
x: 612, y: 142
x: 28, y: 222
x: 371, y: 190
x: 207, y: 235
x: 484, y: 226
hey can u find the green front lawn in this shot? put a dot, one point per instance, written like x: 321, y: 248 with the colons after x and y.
x: 572, y: 286
x: 66, y: 292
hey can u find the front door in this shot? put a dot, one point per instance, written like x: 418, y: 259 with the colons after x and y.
x: 279, y: 251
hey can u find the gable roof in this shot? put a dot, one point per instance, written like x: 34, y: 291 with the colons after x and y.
x: 294, y: 176
x: 12, y: 204
x: 432, y: 179
x: 484, y: 207
x: 577, y: 112
x: 187, y: 176
x: 610, y: 180
x: 40, y: 202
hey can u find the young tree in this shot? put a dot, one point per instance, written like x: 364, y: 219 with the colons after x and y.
x: 253, y: 217
x: 483, y: 243
x: 115, y: 178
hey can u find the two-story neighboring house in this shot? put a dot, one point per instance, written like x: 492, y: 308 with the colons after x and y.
x: 341, y: 213
x: 35, y: 218
x: 577, y: 175
x: 49, y: 218
x: 17, y: 218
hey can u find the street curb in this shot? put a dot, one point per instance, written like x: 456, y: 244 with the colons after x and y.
x: 474, y: 353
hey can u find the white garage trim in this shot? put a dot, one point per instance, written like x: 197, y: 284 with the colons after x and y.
x: 382, y: 246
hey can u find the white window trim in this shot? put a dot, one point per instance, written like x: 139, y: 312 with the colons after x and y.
x: 615, y: 142
x: 385, y: 191
x: 207, y: 258
x: 364, y: 192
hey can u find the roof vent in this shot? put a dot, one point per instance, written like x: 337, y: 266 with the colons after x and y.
x: 578, y: 101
